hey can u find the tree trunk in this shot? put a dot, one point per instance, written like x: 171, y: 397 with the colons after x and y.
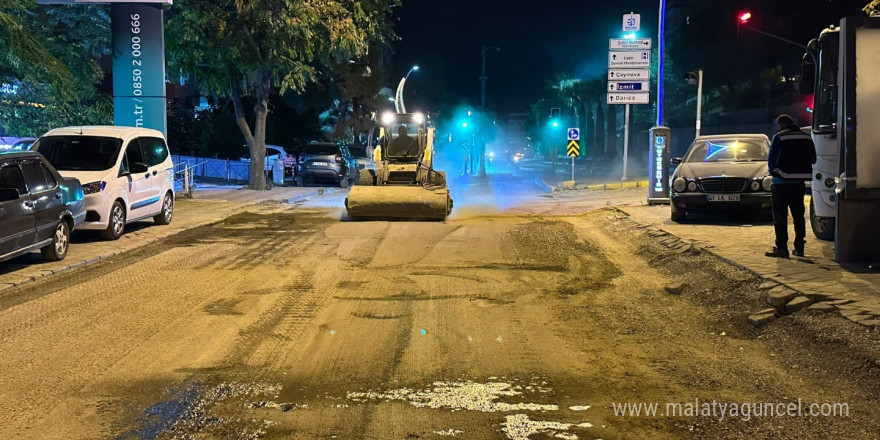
x: 599, y: 132
x: 588, y: 130
x: 611, y: 132
x: 235, y: 78
x: 258, y: 148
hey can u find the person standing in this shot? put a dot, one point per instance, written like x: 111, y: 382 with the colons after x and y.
x: 791, y: 159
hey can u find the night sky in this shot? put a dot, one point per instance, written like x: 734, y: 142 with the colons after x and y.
x: 537, y: 40
x: 542, y: 38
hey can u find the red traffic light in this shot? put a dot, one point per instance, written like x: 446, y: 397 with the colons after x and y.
x: 744, y: 17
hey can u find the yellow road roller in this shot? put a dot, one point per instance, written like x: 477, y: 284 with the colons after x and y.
x: 405, y: 183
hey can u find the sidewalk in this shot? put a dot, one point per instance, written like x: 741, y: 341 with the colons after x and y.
x: 87, y: 247
x: 853, y: 291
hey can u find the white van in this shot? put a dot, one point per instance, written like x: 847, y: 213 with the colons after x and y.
x: 126, y: 173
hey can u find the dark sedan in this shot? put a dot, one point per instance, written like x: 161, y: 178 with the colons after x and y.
x: 38, y: 207
x: 722, y: 173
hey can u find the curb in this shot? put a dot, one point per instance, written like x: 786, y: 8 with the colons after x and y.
x: 91, y: 260
x: 619, y: 185
x: 543, y: 185
x: 837, y: 300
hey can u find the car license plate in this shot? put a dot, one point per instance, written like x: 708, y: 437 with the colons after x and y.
x: 320, y: 164
x: 723, y: 197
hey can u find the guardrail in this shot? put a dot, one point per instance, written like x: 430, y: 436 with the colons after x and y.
x: 222, y: 169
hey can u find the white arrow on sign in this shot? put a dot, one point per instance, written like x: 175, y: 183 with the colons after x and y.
x: 629, y: 98
x: 637, y: 59
x: 628, y: 44
x: 629, y: 74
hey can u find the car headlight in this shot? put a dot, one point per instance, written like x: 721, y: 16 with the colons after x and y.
x: 767, y: 183
x: 94, y: 187
x: 679, y: 184
x: 692, y: 186
x: 755, y: 185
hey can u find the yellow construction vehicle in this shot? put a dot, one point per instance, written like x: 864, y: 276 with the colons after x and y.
x: 404, y: 184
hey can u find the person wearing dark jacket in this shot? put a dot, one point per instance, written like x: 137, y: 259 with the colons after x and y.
x: 791, y: 159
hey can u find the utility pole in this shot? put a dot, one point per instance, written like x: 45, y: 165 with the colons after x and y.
x: 699, y: 101
x: 483, y: 118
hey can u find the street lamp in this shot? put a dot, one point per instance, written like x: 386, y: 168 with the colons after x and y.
x: 398, y: 97
x: 483, y: 108
x: 743, y: 20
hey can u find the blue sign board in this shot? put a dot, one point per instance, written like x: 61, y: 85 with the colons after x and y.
x: 574, y: 134
x: 138, y: 65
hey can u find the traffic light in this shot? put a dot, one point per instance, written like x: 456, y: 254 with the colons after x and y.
x: 554, y: 116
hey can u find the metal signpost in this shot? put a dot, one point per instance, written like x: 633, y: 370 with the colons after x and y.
x: 629, y: 62
x: 574, y: 150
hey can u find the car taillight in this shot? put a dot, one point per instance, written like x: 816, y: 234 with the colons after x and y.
x: 338, y: 159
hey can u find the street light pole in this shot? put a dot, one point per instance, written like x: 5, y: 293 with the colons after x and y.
x: 483, y: 109
x: 399, y: 106
x: 699, y: 101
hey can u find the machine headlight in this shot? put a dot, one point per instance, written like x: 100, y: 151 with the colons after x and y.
x: 387, y: 118
x: 692, y: 186
x: 419, y: 118
x: 767, y: 183
x: 679, y: 184
x: 94, y: 187
x: 829, y: 182
x: 755, y: 185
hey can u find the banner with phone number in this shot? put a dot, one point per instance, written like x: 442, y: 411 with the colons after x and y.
x: 138, y: 65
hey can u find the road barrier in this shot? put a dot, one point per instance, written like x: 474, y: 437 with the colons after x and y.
x: 228, y: 170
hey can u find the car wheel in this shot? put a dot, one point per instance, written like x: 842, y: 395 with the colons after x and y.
x: 823, y: 227
x: 164, y: 217
x: 57, y: 250
x: 677, y: 214
x: 116, y: 226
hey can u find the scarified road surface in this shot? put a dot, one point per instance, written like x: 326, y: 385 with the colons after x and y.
x: 289, y: 322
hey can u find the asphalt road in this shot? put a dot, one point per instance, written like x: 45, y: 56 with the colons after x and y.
x: 512, y: 320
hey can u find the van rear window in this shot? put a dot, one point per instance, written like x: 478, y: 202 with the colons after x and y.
x: 322, y: 149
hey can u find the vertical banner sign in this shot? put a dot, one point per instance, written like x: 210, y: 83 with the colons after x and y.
x: 658, y: 161
x: 138, y: 65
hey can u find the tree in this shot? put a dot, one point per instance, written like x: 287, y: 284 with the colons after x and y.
x: 872, y: 8
x: 51, y: 53
x: 240, y: 48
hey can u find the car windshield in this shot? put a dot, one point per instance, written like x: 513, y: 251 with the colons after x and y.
x: 321, y: 149
x: 357, y: 151
x: 728, y: 150
x: 404, y: 140
x: 22, y: 145
x: 79, y: 153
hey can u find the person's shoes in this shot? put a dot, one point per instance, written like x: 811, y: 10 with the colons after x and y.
x: 798, y: 252
x: 777, y: 253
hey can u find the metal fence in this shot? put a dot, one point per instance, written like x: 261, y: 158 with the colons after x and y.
x: 228, y: 170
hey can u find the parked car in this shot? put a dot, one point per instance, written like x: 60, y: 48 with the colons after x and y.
x: 38, y: 207
x: 326, y: 162
x: 22, y: 144
x: 274, y: 152
x: 127, y: 173
x: 723, y: 172
x: 364, y: 160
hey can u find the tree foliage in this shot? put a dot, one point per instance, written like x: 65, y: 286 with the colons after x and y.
x: 244, y: 48
x: 51, y: 53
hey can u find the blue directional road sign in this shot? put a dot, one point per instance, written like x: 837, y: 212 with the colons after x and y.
x: 628, y: 86
x: 574, y: 134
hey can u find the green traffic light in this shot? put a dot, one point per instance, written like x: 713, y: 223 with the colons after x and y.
x: 464, y: 125
x: 556, y: 123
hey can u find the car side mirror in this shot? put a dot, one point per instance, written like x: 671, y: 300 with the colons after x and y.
x: 9, y: 194
x: 675, y: 160
x: 137, y: 168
